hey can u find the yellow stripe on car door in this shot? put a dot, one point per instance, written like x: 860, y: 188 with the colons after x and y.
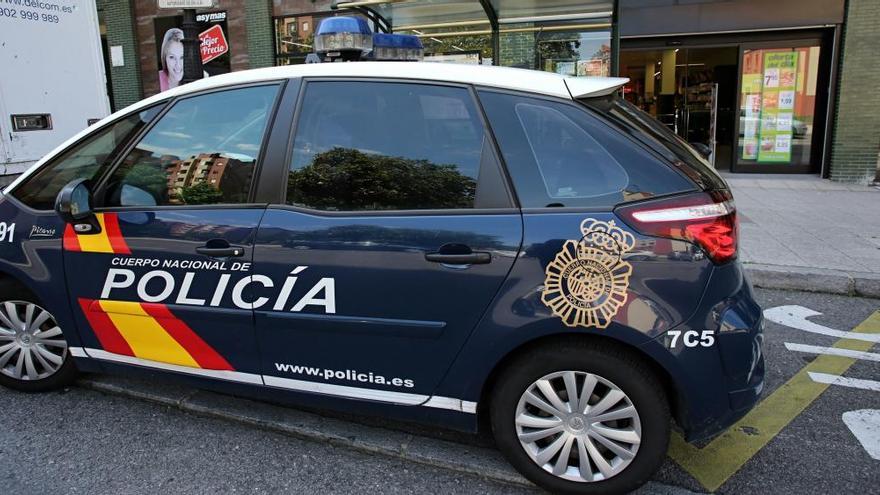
x: 145, y: 336
x: 95, y: 243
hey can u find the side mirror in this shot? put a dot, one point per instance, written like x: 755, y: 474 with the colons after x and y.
x: 74, y: 205
x: 702, y: 149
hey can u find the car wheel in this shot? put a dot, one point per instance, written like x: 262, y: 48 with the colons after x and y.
x: 581, y: 418
x: 33, y: 353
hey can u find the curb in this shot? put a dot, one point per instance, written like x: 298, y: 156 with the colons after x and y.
x: 862, y: 284
x: 452, y: 456
x: 460, y: 458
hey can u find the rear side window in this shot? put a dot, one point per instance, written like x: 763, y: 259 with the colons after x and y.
x: 202, y: 151
x: 385, y: 146
x: 87, y: 160
x: 561, y: 155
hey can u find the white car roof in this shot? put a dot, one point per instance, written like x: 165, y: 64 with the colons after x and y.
x: 531, y: 81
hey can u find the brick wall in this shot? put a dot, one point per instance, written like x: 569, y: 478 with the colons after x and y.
x: 126, y: 80
x: 855, y: 152
x: 146, y: 11
x: 260, y: 36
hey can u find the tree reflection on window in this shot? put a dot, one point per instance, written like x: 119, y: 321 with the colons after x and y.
x: 346, y: 179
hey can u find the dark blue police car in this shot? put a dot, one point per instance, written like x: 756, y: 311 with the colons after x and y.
x: 457, y: 245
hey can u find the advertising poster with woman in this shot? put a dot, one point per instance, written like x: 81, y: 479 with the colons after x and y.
x: 169, y: 47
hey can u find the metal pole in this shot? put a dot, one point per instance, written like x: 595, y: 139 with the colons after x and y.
x: 192, y: 54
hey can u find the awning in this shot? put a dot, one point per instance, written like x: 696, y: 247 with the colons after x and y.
x: 481, y: 16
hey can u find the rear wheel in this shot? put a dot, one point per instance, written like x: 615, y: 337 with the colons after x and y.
x: 581, y: 419
x: 33, y: 353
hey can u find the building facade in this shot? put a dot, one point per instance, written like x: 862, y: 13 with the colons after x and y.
x: 770, y: 87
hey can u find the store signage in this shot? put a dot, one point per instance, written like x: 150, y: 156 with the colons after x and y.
x: 777, y: 106
x: 213, y: 43
x: 186, y: 4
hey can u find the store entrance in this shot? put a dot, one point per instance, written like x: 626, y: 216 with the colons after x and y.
x: 691, y: 90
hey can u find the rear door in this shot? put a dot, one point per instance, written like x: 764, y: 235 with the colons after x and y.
x: 394, y: 236
x: 164, y: 283
x: 571, y: 169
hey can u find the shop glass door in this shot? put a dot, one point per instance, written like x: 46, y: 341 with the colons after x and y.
x: 777, y: 110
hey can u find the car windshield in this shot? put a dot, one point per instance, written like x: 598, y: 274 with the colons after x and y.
x: 649, y: 131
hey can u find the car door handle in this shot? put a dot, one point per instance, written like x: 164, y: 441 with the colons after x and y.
x: 218, y: 250
x: 475, y: 258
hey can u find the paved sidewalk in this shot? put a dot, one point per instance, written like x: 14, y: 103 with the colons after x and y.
x: 805, y: 233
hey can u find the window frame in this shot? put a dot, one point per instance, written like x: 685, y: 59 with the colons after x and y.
x: 54, y: 160
x: 490, y: 155
x: 99, y: 189
x: 603, y: 121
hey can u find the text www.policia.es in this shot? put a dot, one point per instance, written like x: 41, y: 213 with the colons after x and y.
x: 349, y: 375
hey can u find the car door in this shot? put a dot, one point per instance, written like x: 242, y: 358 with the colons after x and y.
x: 395, y: 234
x: 162, y: 283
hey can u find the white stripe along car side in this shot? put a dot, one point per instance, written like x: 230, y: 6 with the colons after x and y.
x: 401, y: 398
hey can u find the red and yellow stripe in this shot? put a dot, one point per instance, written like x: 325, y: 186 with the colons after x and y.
x: 109, y: 240
x: 149, y: 331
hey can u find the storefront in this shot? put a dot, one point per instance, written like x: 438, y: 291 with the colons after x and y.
x: 748, y: 79
x: 566, y: 36
x: 756, y: 82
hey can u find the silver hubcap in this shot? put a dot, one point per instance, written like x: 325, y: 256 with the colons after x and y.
x: 578, y: 426
x: 31, y: 344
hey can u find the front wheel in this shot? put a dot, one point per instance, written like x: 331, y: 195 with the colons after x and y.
x: 33, y: 353
x: 579, y: 418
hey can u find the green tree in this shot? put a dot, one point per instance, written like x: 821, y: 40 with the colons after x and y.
x: 347, y: 179
x: 200, y: 194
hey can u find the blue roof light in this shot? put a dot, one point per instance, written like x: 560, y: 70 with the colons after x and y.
x: 343, y: 24
x: 343, y: 38
x: 397, y: 41
x: 397, y: 47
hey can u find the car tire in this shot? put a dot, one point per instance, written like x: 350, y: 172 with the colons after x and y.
x: 615, y: 373
x: 46, y: 363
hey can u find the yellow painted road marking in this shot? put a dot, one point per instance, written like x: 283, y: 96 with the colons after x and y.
x: 715, y: 463
x: 145, y: 335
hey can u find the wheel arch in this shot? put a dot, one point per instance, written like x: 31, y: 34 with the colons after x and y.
x: 674, y: 396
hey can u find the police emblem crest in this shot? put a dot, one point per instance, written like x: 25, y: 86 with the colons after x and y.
x: 587, y: 282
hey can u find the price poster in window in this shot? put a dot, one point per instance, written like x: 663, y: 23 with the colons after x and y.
x: 777, y: 106
x: 752, y: 83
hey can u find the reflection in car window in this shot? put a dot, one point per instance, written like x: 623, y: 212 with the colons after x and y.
x: 561, y: 148
x: 202, y: 151
x: 385, y: 146
x: 559, y: 154
x: 87, y: 160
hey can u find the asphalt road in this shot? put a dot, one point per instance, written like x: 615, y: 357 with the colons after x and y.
x: 82, y: 441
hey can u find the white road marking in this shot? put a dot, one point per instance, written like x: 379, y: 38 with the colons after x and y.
x: 833, y: 351
x: 844, y: 381
x: 796, y: 317
x: 865, y: 425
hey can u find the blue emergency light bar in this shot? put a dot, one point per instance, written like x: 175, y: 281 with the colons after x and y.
x: 343, y: 34
x: 350, y: 38
x: 397, y: 47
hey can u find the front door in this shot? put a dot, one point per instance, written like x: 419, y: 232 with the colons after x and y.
x: 164, y: 284
x: 396, y: 234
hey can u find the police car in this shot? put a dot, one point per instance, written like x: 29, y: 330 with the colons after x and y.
x: 465, y: 246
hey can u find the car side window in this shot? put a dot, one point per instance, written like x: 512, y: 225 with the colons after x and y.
x: 202, y: 151
x: 87, y: 160
x: 385, y: 146
x: 559, y: 154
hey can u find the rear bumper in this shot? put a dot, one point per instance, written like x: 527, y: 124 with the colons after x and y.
x: 717, y: 385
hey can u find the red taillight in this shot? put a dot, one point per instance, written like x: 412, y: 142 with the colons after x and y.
x: 706, y: 219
